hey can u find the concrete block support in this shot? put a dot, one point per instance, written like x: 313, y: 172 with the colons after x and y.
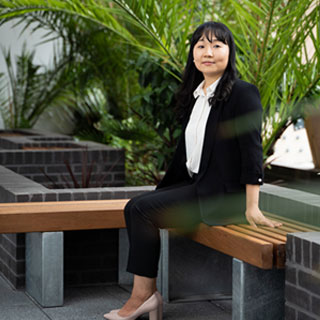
x: 257, y: 294
x: 188, y: 271
x: 44, y: 267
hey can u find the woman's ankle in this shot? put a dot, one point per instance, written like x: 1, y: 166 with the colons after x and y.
x: 142, y: 295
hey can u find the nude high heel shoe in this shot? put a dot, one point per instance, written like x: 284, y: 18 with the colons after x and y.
x: 153, y: 305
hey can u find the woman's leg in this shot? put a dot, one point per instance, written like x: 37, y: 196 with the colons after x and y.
x: 144, y: 215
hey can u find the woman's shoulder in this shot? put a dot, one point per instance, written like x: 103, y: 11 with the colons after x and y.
x: 243, y: 85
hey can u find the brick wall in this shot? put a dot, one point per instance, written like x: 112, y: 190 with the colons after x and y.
x: 91, y: 257
x: 25, y: 154
x: 302, y: 292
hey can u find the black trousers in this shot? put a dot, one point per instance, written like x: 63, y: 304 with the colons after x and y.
x: 170, y: 207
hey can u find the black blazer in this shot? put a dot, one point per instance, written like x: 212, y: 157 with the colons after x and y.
x: 231, y: 157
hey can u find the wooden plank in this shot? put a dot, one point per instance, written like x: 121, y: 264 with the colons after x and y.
x: 61, y: 216
x: 265, y: 232
x: 279, y: 247
x: 288, y: 221
x: 288, y: 229
x: 244, y: 247
x: 275, y: 230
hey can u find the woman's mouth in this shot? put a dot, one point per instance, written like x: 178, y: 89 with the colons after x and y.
x: 207, y: 63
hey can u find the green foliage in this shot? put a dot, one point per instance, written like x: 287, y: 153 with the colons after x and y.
x: 105, y: 39
x: 272, y: 53
x: 30, y: 89
x: 149, y: 132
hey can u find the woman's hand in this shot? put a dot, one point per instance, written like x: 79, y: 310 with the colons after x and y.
x: 255, y: 216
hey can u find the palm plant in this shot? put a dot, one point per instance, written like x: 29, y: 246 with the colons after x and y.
x: 31, y: 89
x: 272, y: 53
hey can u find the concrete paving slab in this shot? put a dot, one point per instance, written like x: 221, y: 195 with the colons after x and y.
x: 85, y: 303
x: 26, y: 312
x: 10, y: 297
x: 88, y: 303
x: 93, y: 302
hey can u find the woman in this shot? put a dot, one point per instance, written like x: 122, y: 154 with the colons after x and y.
x: 216, y: 169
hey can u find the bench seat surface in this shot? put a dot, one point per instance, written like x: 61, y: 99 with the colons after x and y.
x: 263, y: 247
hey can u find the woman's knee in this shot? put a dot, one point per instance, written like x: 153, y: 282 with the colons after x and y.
x: 127, y: 208
x: 131, y: 205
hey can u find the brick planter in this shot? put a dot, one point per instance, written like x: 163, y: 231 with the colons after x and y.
x: 303, y: 276
x: 91, y: 257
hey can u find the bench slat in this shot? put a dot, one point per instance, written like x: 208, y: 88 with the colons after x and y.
x: 293, y: 223
x: 61, y: 216
x: 288, y: 229
x: 279, y: 247
x: 244, y: 247
x: 265, y: 232
x: 275, y: 230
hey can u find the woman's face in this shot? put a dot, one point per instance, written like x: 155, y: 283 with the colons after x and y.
x: 211, y: 58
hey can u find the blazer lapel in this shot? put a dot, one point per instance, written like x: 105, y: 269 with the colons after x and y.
x: 210, y: 136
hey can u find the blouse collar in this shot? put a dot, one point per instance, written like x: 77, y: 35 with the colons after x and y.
x: 210, y: 90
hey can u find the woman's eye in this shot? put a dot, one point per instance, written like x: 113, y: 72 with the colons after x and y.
x: 216, y: 46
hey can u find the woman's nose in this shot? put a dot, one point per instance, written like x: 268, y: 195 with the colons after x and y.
x: 208, y: 51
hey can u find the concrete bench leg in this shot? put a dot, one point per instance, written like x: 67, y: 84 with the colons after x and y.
x: 257, y: 294
x: 188, y: 271
x: 44, y: 267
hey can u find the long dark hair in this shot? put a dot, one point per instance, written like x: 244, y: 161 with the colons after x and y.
x: 192, y: 77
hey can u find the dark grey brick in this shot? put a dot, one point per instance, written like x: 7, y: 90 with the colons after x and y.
x: 290, y: 248
x: 76, y: 157
x: 316, y: 306
x: 119, y: 177
x: 92, y: 195
x: 119, y: 195
x: 58, y: 157
x: 10, y: 158
x: 304, y: 316
x: 306, y: 253
x: 29, y: 169
x: 39, y: 158
x: 106, y: 195
x: 57, y: 169
x: 113, y: 157
x: 48, y: 157
x: 297, y: 297
x: 290, y: 313
x: 22, y: 197
x: 39, y: 178
x: 79, y: 196
x: 2, y: 157
x: 50, y: 197
x: 298, y: 249
x: 95, y: 156
x: 19, y: 158
x: 309, y: 282
x: 316, y: 257
x: 291, y: 274
x: 29, y: 157
x: 64, y: 196
x: 37, y: 197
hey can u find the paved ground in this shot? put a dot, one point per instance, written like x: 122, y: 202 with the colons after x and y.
x: 90, y: 303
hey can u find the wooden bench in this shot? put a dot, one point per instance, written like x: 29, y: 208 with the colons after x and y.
x: 261, y: 247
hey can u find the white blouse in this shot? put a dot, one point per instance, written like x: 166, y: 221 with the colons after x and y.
x: 195, y: 130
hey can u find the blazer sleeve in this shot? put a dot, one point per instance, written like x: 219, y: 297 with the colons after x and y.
x: 248, y: 121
